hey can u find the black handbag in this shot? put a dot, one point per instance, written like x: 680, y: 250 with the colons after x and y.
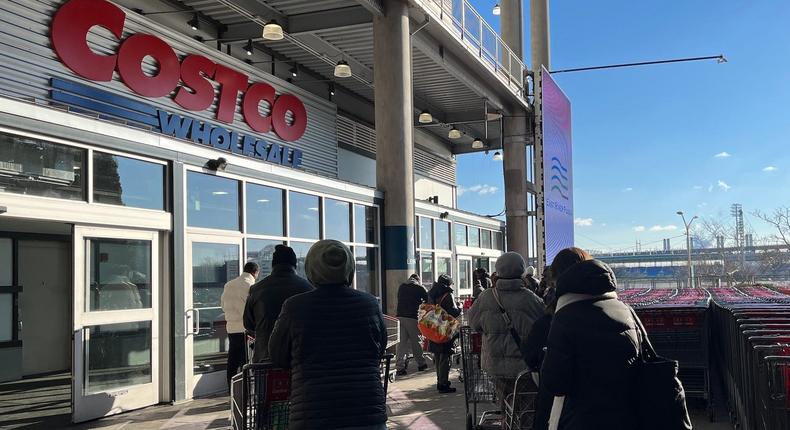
x: 660, y: 398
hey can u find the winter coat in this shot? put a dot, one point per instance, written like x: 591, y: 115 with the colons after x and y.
x: 233, y: 300
x: 410, y: 296
x: 532, y: 284
x: 536, y: 341
x: 500, y: 355
x: 332, y: 339
x: 592, y: 351
x: 448, y: 304
x: 265, y: 302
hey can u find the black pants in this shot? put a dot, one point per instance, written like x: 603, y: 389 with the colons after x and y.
x: 442, y: 363
x: 237, y: 356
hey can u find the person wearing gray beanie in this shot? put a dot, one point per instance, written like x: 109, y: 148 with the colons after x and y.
x: 332, y: 339
x: 503, y: 354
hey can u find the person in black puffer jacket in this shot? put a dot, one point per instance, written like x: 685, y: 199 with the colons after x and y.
x: 332, y: 339
x: 593, y: 348
x: 266, y: 298
x: 442, y: 294
x: 410, y: 296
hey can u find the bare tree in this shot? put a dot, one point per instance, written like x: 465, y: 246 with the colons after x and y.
x: 780, y: 221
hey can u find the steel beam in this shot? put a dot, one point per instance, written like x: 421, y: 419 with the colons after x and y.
x: 306, y: 23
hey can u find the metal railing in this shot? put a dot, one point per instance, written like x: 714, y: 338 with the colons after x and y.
x: 465, y: 23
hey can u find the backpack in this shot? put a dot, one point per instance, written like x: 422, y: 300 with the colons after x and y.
x: 435, y: 323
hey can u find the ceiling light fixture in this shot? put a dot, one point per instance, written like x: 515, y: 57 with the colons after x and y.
x: 273, y: 31
x: 497, y: 10
x: 454, y: 133
x: 331, y: 89
x: 425, y: 117
x: 248, y: 47
x: 342, y: 69
x: 194, y: 23
x: 497, y: 156
x: 477, y: 143
x: 294, y: 71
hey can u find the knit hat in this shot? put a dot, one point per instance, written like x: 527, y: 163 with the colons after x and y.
x: 510, y: 265
x: 414, y: 277
x: 329, y: 262
x: 444, y: 280
x: 283, y: 255
x: 530, y: 271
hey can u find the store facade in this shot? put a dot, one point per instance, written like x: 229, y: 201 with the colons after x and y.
x: 137, y: 176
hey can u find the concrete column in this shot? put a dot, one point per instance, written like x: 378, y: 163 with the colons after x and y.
x: 394, y: 144
x: 514, y: 141
x: 539, y: 36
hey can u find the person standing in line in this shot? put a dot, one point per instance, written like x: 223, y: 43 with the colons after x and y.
x: 496, y: 313
x: 411, y: 295
x: 532, y: 282
x: 442, y: 294
x: 267, y: 297
x: 536, y: 350
x: 332, y: 339
x: 233, y: 299
x: 591, y: 361
x: 477, y: 289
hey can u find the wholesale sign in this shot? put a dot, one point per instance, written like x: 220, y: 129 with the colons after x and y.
x: 190, y: 79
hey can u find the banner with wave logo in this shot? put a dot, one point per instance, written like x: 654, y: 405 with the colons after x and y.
x: 558, y: 167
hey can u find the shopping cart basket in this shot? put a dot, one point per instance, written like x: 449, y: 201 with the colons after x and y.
x: 478, y: 386
x: 259, y: 398
x: 520, y: 405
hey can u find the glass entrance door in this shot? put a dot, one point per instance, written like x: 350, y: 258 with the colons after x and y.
x: 116, y: 302
x: 212, y: 261
x: 464, y: 276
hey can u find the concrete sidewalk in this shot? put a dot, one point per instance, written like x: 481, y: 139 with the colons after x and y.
x: 413, y: 404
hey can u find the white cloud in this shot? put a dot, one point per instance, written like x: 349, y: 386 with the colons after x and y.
x: 770, y: 168
x: 698, y: 187
x: 723, y: 154
x: 702, y: 205
x: 583, y: 222
x: 663, y: 227
x: 627, y: 190
x: 723, y: 185
x: 480, y: 189
x: 639, y: 228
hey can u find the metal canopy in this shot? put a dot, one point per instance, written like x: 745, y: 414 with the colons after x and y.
x: 320, y: 33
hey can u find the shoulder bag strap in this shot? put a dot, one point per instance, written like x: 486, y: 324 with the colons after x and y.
x: 509, y: 324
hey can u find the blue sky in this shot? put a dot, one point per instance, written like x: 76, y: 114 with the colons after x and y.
x: 646, y: 139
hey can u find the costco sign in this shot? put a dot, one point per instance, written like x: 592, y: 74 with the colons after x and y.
x: 189, y: 77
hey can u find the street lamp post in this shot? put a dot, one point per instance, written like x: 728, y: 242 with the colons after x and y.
x: 688, y: 245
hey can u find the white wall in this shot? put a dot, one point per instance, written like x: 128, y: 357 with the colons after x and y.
x: 424, y: 188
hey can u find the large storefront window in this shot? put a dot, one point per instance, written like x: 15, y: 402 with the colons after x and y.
x: 213, y: 202
x: 303, y: 215
x: 38, y: 168
x: 261, y: 251
x: 474, y: 237
x: 366, y: 269
x: 460, y: 234
x: 337, y: 220
x: 365, y: 224
x: 485, y: 239
x: 444, y: 266
x: 300, y: 249
x: 442, y: 235
x: 265, y: 210
x: 426, y: 233
x: 128, y: 182
x: 426, y: 269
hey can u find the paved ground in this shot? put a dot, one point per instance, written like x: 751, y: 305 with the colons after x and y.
x: 413, y: 402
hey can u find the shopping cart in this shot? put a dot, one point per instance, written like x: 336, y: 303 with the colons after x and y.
x: 259, y: 398
x: 520, y: 405
x: 478, y: 386
x: 260, y: 395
